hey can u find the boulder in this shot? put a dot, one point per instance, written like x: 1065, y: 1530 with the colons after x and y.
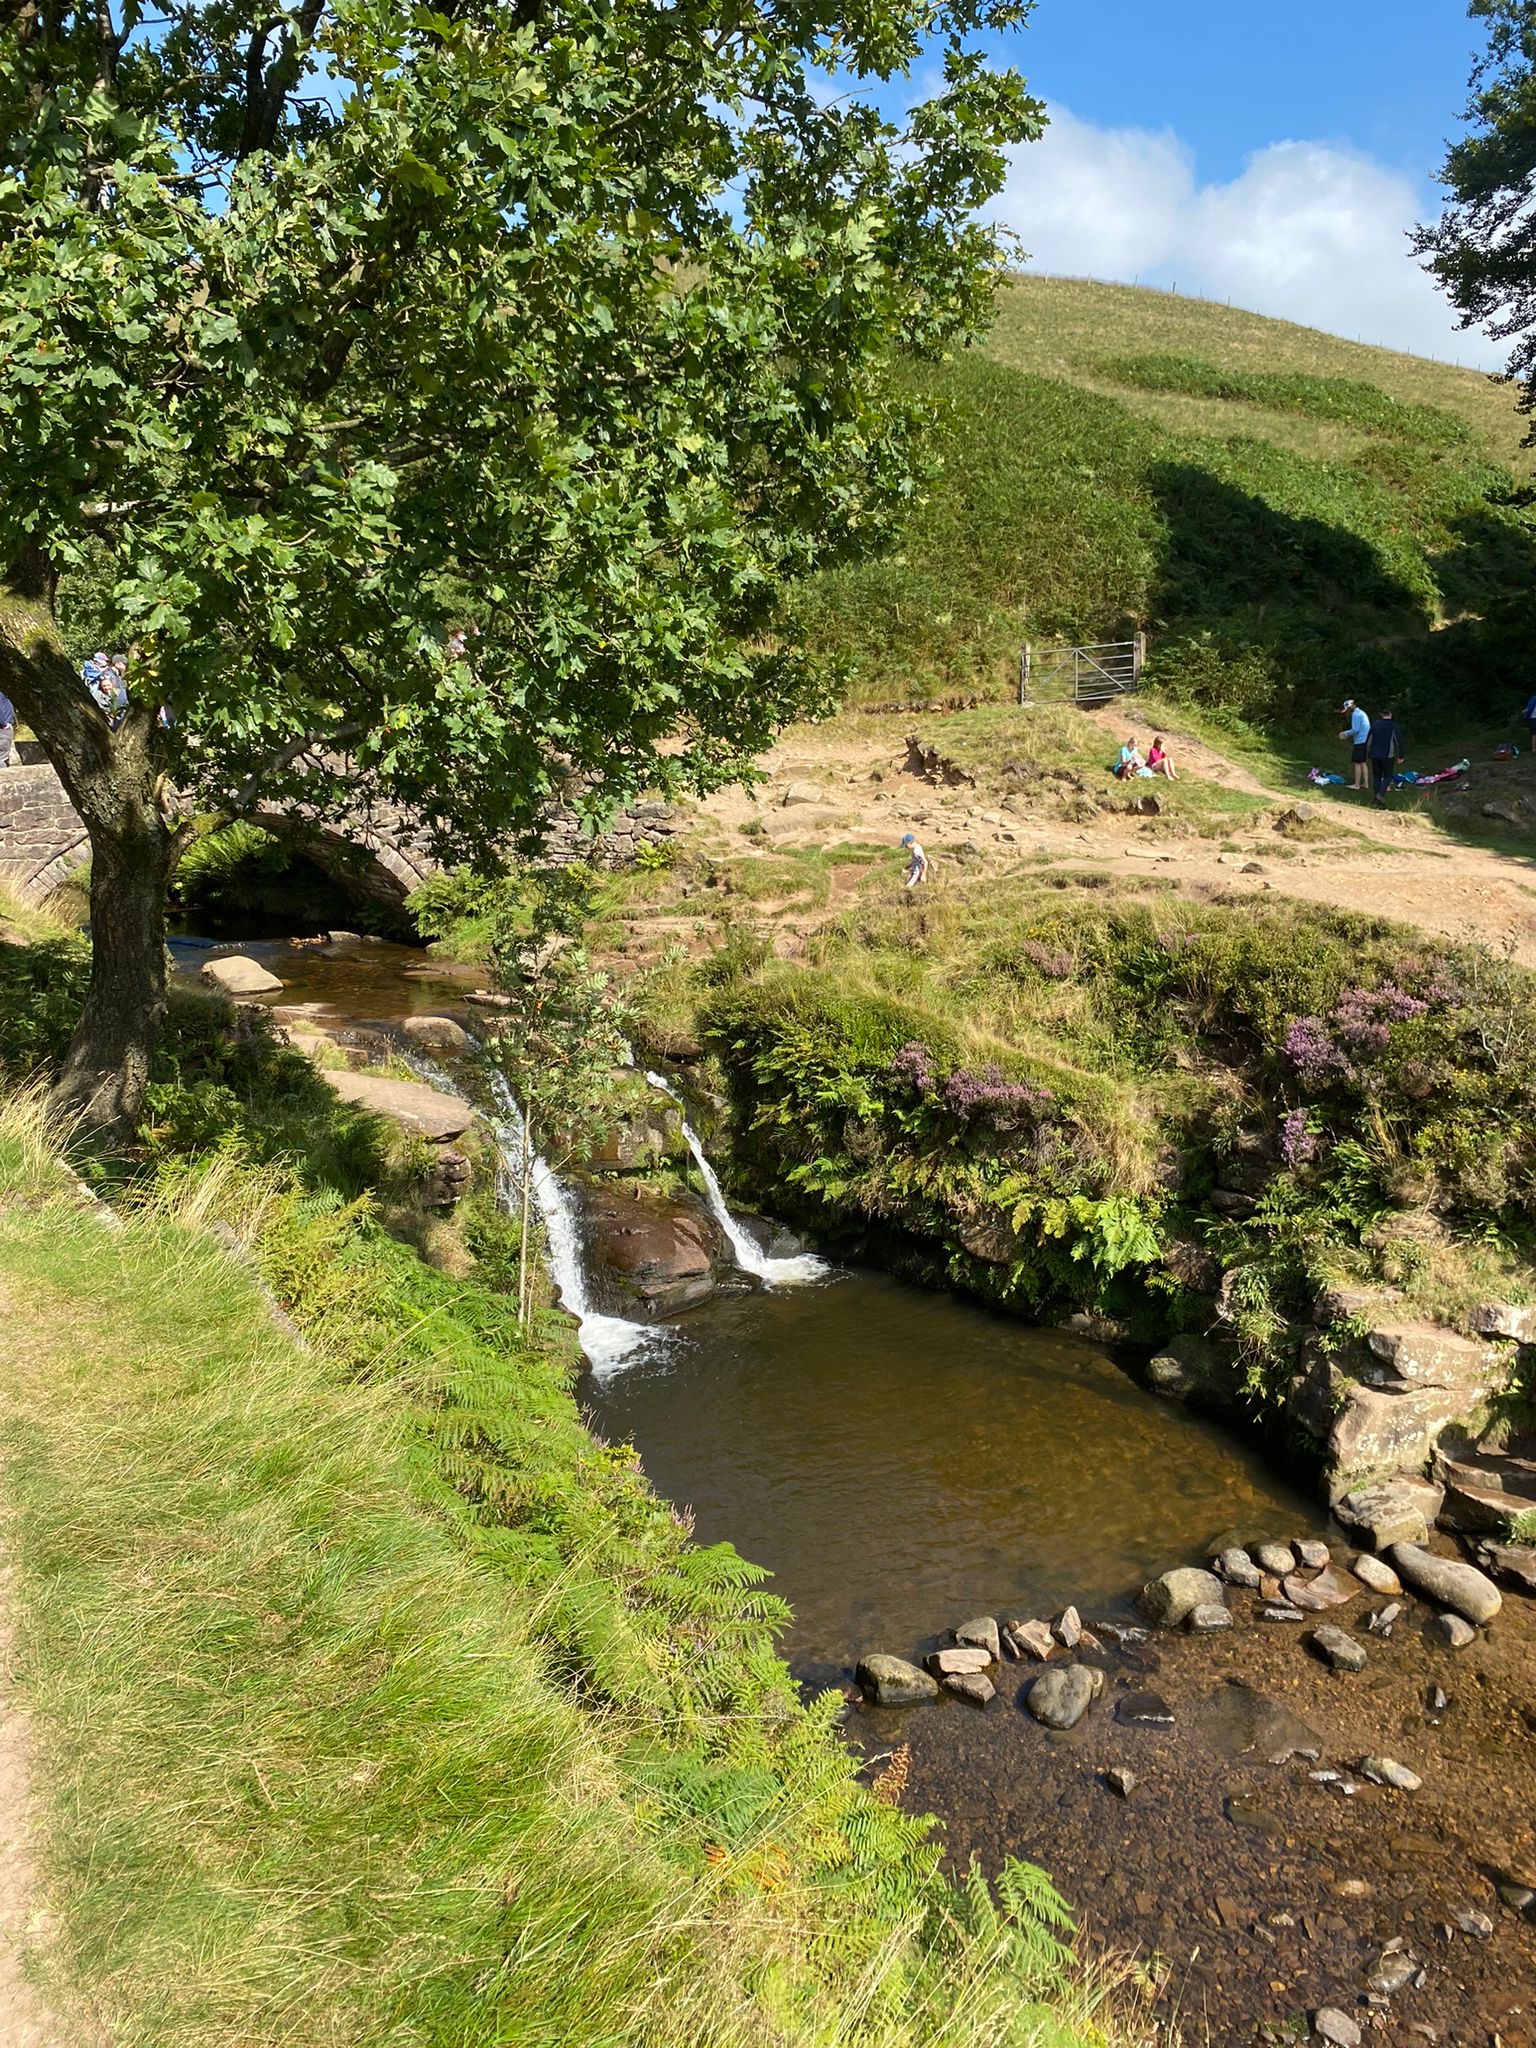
x: 1335, y: 2027
x: 1183, y: 1365
x: 435, y: 1034
x: 661, y: 1251
x: 238, y: 975
x: 427, y: 1112
x: 1505, y: 1319
x: 1059, y: 1698
x: 1448, y: 1582
x: 1425, y: 1355
x: 1311, y: 1553
x: 1339, y: 1650
x: 1486, y: 1492
x: 1170, y: 1597
x: 801, y: 793
x: 892, y: 1682
x: 962, y: 1657
x: 1392, y: 1511
x: 974, y: 1686
x: 981, y: 1634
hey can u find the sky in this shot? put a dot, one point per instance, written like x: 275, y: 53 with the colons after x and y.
x: 1275, y: 156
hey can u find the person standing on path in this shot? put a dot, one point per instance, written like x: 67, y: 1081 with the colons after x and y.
x: 7, y: 730
x: 917, y: 862
x: 1384, y: 746
x: 1358, y: 733
x: 1529, y: 715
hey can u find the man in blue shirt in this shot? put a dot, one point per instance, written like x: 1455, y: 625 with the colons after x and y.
x: 1384, y: 745
x: 7, y: 729
x: 1357, y: 732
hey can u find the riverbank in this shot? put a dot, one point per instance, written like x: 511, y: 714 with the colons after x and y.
x: 365, y: 1682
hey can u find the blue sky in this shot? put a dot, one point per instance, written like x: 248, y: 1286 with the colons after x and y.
x: 1276, y: 156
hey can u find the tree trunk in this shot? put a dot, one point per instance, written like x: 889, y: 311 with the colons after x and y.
x: 107, y: 1066
x: 115, y: 780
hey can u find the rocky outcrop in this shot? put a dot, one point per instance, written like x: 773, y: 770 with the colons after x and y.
x: 661, y: 1253
x: 1393, y: 1511
x: 1398, y: 1391
x: 424, y: 1111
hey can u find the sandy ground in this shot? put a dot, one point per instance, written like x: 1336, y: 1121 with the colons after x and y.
x: 1396, y: 865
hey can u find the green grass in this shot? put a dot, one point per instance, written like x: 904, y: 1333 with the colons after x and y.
x: 375, y: 1703
x: 1288, y: 516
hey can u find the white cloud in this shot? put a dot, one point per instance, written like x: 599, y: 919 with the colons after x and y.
x: 1308, y: 231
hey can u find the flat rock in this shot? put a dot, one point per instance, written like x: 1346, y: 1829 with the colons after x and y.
x: 1338, y: 1649
x: 892, y: 1682
x: 1370, y: 1571
x: 1451, y: 1631
x: 981, y: 1634
x: 1275, y: 1558
x: 1448, y: 1582
x: 1208, y: 1618
x: 426, y: 1111
x: 238, y: 975
x: 963, y: 1657
x: 801, y: 793
x: 1143, y: 1710
x: 1513, y: 1564
x: 1335, y: 2027
x: 1386, y: 1770
x: 1060, y: 1698
x: 1239, y: 1569
x: 1317, y: 1595
x: 1275, y: 1613
x: 974, y: 1686
x: 1505, y: 1319
x: 1237, y: 1720
x: 1170, y: 1597
x: 1392, y: 1511
x: 435, y: 1034
x: 1311, y: 1553
x: 1031, y: 1639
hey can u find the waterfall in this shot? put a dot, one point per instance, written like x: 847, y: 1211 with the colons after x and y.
x: 750, y: 1256
x: 608, y: 1341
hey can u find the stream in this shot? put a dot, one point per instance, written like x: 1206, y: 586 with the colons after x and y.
x: 902, y: 1460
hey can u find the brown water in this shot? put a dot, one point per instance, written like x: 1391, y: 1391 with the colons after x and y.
x: 373, y: 980
x: 902, y: 1460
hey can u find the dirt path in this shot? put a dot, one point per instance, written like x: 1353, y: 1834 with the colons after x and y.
x: 25, y: 2020
x: 1393, y: 863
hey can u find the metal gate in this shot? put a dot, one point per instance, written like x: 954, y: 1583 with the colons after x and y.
x: 1081, y: 675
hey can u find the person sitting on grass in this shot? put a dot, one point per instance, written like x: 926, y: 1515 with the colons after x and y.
x: 1130, y: 762
x: 1160, y: 761
x: 917, y: 862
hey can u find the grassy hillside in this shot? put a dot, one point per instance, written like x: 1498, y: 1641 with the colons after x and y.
x: 1289, y: 515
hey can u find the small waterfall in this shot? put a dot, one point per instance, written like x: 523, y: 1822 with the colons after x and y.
x: 750, y: 1256
x: 608, y: 1341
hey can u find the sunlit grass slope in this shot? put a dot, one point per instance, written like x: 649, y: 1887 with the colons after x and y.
x: 1288, y: 515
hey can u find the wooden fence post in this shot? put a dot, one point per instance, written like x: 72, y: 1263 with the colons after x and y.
x: 1024, y: 663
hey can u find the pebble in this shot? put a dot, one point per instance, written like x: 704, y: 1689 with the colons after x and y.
x: 1068, y: 1630
x: 1207, y: 1619
x: 1471, y: 1921
x: 1275, y: 1558
x: 1311, y: 1553
x: 1340, y: 1650
x: 1386, y: 1770
x: 1437, y: 1699
x: 1121, y: 1781
x: 1380, y: 1623
x: 974, y: 1686
x: 1451, y: 1631
x: 981, y: 1634
x: 1329, y: 2024
x: 1239, y: 1569
x: 1282, y: 1614
x: 1380, y: 1578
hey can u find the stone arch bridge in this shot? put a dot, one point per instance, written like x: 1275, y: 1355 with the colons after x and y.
x: 377, y: 855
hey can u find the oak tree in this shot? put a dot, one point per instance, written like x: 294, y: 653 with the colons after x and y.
x: 324, y: 323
